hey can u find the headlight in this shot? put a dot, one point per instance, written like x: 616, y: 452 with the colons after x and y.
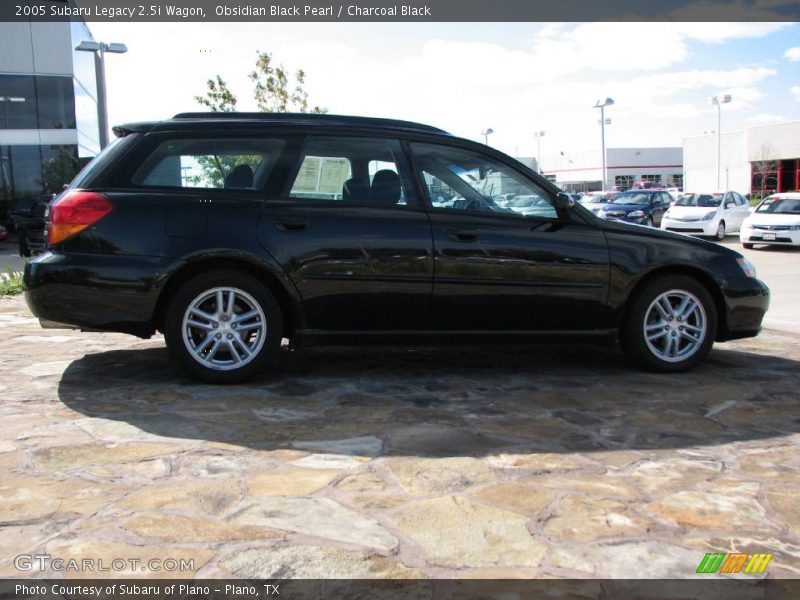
x: 666, y: 214
x: 709, y: 216
x: 636, y: 213
x: 748, y: 267
x: 747, y: 225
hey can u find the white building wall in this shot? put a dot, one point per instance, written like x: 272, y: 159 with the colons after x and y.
x: 774, y: 142
x: 700, y: 163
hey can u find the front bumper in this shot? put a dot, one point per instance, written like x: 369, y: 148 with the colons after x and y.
x: 705, y: 228
x: 746, y: 301
x: 94, y: 291
x: 780, y: 237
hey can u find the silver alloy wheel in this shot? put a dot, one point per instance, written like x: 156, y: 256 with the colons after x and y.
x: 224, y: 328
x: 721, y: 230
x: 675, y: 325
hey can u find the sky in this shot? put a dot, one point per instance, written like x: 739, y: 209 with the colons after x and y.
x: 515, y: 78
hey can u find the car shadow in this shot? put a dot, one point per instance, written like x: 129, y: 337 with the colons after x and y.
x: 454, y: 401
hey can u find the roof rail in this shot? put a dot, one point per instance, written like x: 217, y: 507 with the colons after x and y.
x: 311, y: 117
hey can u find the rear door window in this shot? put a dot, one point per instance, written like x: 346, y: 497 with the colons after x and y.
x: 352, y: 170
x: 210, y: 164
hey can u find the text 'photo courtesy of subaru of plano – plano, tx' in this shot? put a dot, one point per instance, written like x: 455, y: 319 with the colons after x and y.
x: 231, y: 232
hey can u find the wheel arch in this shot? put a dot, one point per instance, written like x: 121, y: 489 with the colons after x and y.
x: 706, y: 279
x: 290, y: 304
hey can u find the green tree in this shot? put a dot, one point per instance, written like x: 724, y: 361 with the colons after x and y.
x: 275, y: 90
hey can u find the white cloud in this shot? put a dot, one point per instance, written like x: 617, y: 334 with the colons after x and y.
x: 764, y: 119
x: 795, y: 89
x: 792, y: 54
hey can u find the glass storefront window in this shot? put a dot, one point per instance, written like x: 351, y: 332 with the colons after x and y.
x: 18, y: 102
x: 56, y: 102
x: 60, y: 164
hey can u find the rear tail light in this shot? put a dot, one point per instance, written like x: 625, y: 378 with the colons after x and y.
x: 74, y: 212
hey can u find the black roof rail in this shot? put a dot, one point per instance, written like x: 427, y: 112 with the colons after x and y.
x: 310, y: 118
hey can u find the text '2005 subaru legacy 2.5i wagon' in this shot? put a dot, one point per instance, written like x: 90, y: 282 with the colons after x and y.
x: 230, y: 232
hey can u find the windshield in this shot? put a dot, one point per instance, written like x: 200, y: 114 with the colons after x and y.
x: 783, y: 206
x: 702, y: 200
x: 632, y: 198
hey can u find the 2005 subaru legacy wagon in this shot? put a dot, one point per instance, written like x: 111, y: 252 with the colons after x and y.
x: 229, y: 232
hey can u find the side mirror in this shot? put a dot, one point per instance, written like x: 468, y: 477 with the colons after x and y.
x: 730, y: 204
x: 564, y: 202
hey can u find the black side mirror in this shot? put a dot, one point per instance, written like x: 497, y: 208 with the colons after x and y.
x: 564, y: 202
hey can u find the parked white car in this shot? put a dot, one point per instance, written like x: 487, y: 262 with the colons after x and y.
x: 776, y: 221
x: 711, y: 214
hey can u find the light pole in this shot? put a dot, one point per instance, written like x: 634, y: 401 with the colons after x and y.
x: 539, y: 135
x: 6, y: 100
x: 602, y: 106
x: 718, y: 102
x: 485, y: 133
x: 99, y: 49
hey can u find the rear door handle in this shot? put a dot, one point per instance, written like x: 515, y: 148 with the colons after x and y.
x: 462, y: 236
x: 299, y: 225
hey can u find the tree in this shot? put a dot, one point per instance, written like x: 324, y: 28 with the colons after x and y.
x: 764, y: 165
x: 275, y: 90
x: 218, y: 98
x: 272, y: 88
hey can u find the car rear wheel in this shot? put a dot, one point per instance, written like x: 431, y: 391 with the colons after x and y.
x: 671, y: 325
x: 24, y: 247
x: 720, y: 235
x: 223, y: 327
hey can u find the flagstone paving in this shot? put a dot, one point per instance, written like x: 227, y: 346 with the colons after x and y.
x: 397, y: 463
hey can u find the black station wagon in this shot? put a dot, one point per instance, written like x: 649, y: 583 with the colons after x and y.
x: 229, y: 232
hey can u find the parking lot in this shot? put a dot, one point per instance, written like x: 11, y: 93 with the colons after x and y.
x: 553, y: 461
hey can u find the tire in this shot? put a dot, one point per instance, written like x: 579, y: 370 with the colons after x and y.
x: 720, y: 235
x: 649, y: 222
x: 643, y: 313
x: 24, y: 247
x: 748, y: 246
x: 191, y: 338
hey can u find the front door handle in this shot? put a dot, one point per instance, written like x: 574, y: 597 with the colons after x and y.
x: 287, y: 225
x: 462, y: 236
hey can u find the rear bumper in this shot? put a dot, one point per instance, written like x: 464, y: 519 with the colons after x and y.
x: 93, y: 291
x: 746, y: 303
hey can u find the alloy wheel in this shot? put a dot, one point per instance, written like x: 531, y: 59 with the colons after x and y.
x: 224, y: 328
x: 675, y: 325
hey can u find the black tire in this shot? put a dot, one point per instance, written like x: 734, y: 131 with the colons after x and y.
x: 632, y: 336
x: 748, y: 246
x: 720, y: 235
x: 24, y: 247
x: 649, y: 222
x: 183, y: 356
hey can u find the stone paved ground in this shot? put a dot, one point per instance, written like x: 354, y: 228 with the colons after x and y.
x: 556, y: 461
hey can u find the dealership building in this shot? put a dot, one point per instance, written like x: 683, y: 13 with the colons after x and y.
x: 48, y: 107
x: 583, y: 171
x: 753, y: 160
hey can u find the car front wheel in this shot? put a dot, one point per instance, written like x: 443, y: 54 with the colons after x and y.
x: 720, y: 235
x: 671, y: 325
x: 223, y: 327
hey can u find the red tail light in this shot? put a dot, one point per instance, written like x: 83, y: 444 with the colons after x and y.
x: 74, y: 212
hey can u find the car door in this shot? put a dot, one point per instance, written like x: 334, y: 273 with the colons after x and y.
x: 352, y: 235
x: 741, y: 210
x: 507, y: 268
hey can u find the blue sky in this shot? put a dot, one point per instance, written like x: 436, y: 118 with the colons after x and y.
x: 516, y: 78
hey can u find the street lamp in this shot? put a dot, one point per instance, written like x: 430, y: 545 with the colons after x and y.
x: 6, y: 100
x: 485, y: 133
x: 718, y: 102
x: 539, y: 135
x: 602, y: 106
x: 99, y: 49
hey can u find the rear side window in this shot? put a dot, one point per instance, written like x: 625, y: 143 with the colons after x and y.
x: 217, y: 164
x: 363, y: 171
